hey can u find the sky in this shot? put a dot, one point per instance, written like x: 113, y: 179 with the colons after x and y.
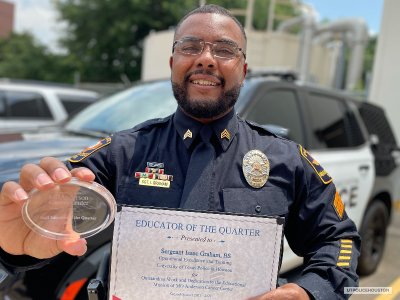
x: 369, y: 10
x: 40, y: 18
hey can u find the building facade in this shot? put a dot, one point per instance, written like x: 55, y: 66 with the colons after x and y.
x: 6, y: 18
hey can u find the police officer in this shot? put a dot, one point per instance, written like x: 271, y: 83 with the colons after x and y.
x: 204, y: 157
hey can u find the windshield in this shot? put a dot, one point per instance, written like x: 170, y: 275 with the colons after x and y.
x: 128, y: 108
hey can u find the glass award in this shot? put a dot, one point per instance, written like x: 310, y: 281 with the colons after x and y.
x: 71, y: 210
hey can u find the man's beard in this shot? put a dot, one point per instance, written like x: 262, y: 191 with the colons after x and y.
x: 205, y: 108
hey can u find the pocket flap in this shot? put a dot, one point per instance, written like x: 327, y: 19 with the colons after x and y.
x: 265, y: 201
x: 134, y: 194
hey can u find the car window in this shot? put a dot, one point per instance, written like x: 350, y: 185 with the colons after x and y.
x: 279, y: 107
x: 74, y: 104
x: 247, y: 89
x: 332, y: 123
x: 26, y: 105
x: 126, y: 109
x: 2, y: 105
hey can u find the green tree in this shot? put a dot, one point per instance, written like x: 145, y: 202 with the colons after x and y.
x: 368, y: 64
x: 370, y: 54
x: 22, y: 57
x: 105, y: 38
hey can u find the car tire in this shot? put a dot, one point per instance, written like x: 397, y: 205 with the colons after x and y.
x: 373, y: 237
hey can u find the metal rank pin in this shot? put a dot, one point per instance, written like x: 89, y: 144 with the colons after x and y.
x: 188, y: 134
x: 256, y: 168
x: 225, y: 135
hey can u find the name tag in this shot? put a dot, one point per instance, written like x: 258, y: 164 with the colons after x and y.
x: 154, y: 182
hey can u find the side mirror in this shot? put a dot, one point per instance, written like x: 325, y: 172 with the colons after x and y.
x: 278, y: 130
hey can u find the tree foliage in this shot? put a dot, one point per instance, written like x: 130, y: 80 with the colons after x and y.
x: 368, y: 64
x: 370, y: 54
x: 105, y: 37
x: 22, y: 57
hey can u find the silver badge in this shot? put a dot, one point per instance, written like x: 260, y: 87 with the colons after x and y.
x: 255, y: 168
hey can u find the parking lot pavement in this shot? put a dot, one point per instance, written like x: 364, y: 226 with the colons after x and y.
x: 388, y: 273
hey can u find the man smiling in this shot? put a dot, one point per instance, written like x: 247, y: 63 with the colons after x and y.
x: 209, y: 159
x: 208, y: 65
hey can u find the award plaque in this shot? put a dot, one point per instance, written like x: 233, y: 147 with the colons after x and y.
x: 71, y: 210
x: 175, y: 254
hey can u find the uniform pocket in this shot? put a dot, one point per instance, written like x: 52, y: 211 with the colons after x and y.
x: 134, y: 194
x: 268, y: 201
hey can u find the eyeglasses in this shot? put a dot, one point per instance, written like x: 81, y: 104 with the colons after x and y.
x: 220, y: 49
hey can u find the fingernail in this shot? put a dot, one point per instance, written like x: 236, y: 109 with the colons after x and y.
x: 80, y: 249
x: 21, y: 195
x: 84, y: 173
x: 43, y: 179
x: 60, y: 174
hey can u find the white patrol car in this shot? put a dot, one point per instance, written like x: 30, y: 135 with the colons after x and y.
x: 28, y: 106
x: 353, y: 142
x: 350, y: 138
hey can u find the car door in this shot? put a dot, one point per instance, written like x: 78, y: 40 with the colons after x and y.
x: 337, y: 141
x: 277, y: 105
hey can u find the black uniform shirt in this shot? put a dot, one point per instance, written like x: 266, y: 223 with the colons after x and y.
x: 297, y: 187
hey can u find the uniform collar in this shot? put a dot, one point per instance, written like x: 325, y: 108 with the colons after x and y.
x: 224, y: 129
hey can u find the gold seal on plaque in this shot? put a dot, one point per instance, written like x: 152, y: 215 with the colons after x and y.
x: 255, y: 168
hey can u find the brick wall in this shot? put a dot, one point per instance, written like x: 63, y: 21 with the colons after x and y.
x: 6, y: 18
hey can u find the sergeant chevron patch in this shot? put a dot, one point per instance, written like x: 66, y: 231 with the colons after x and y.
x: 322, y: 174
x: 88, y: 151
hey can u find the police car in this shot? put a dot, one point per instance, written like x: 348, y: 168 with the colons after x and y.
x: 351, y: 139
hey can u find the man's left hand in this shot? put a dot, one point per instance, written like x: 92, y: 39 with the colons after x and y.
x: 288, y: 291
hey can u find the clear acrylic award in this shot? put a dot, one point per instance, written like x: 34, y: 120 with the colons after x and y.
x: 72, y: 210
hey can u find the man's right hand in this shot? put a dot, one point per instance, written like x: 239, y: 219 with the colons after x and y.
x: 15, y: 237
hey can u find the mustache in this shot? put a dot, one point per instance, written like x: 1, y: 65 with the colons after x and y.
x: 204, y: 72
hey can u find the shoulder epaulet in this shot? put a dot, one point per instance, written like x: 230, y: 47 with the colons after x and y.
x: 260, y: 128
x: 90, y: 150
x: 319, y: 170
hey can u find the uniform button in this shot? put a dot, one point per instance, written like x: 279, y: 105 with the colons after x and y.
x: 258, y: 208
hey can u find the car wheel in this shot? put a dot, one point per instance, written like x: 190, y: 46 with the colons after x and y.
x: 373, y: 236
